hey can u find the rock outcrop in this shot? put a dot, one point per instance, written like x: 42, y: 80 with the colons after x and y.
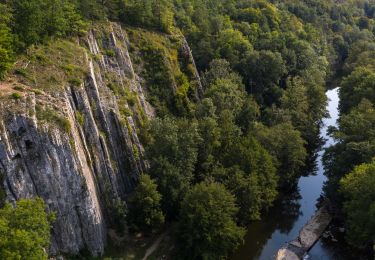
x: 78, y: 148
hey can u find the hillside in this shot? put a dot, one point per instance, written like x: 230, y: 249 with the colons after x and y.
x: 123, y: 120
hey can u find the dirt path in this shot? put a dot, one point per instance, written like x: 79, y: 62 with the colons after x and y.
x: 154, y: 246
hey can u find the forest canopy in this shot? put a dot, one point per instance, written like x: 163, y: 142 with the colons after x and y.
x: 246, y: 135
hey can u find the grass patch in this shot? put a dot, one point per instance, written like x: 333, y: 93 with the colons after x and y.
x: 21, y: 72
x: 53, y: 66
x: 19, y: 88
x: 16, y: 96
x: 110, y: 53
x: 80, y: 118
x: 76, y: 82
x: 50, y: 116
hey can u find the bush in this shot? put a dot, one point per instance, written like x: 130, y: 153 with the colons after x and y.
x: 16, y: 96
x: 75, y: 82
x: 110, y: 53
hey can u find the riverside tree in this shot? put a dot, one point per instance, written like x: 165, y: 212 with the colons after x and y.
x: 207, y: 227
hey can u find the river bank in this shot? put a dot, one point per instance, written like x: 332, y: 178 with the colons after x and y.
x: 308, y: 235
x: 284, y: 221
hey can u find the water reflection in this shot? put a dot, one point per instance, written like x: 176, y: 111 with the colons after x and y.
x: 260, y: 232
x: 287, y: 217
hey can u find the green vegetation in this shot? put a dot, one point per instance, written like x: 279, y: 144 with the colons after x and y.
x: 358, y: 190
x: 158, y: 58
x: 155, y: 14
x: 246, y: 136
x: 173, y: 154
x: 80, y: 118
x: 25, y: 230
x: 16, y: 96
x: 207, y: 224
x: 53, y: 66
x: 145, y: 211
x: 51, y: 116
x: 6, y: 40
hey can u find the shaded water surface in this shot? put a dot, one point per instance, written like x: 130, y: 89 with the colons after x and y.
x: 289, y: 215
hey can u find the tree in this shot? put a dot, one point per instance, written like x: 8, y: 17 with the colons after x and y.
x: 220, y: 69
x: 227, y: 95
x: 207, y: 229
x: 233, y: 45
x: 248, y: 194
x: 358, y: 85
x: 285, y: 143
x: 25, y: 230
x: 157, y: 14
x: 355, y: 145
x: 145, y: 211
x: 359, y: 204
x: 29, y: 21
x: 257, y: 166
x: 173, y: 152
x: 6, y: 41
x: 262, y: 72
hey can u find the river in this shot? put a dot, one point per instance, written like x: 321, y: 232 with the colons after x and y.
x: 288, y: 216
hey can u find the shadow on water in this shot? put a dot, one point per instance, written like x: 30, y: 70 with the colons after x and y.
x: 260, y: 232
x: 283, y: 222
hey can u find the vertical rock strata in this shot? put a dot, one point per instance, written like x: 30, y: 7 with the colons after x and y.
x: 89, y: 152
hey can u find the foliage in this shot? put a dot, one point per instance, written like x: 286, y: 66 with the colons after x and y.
x: 25, y: 230
x: 286, y: 144
x: 51, y: 116
x: 358, y: 190
x: 358, y: 85
x: 207, y: 229
x: 264, y: 67
x: 258, y: 174
x: 48, y: 70
x: 159, y: 59
x: 6, y: 40
x: 35, y: 20
x: 173, y: 151
x: 156, y: 14
x: 145, y: 212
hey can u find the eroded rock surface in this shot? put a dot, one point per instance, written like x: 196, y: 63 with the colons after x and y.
x: 88, y: 154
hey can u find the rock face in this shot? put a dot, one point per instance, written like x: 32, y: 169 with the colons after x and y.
x: 88, y: 155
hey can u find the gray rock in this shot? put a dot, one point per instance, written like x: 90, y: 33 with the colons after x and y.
x: 74, y: 171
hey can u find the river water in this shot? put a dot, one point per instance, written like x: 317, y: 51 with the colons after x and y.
x: 289, y: 215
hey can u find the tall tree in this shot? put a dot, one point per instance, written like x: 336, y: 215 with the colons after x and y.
x: 145, y: 213
x: 6, y: 40
x: 207, y: 229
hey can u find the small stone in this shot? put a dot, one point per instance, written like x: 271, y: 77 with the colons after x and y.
x: 342, y: 230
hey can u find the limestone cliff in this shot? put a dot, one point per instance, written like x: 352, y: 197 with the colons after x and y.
x: 76, y: 147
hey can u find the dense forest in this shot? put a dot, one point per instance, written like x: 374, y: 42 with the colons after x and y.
x: 220, y: 152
